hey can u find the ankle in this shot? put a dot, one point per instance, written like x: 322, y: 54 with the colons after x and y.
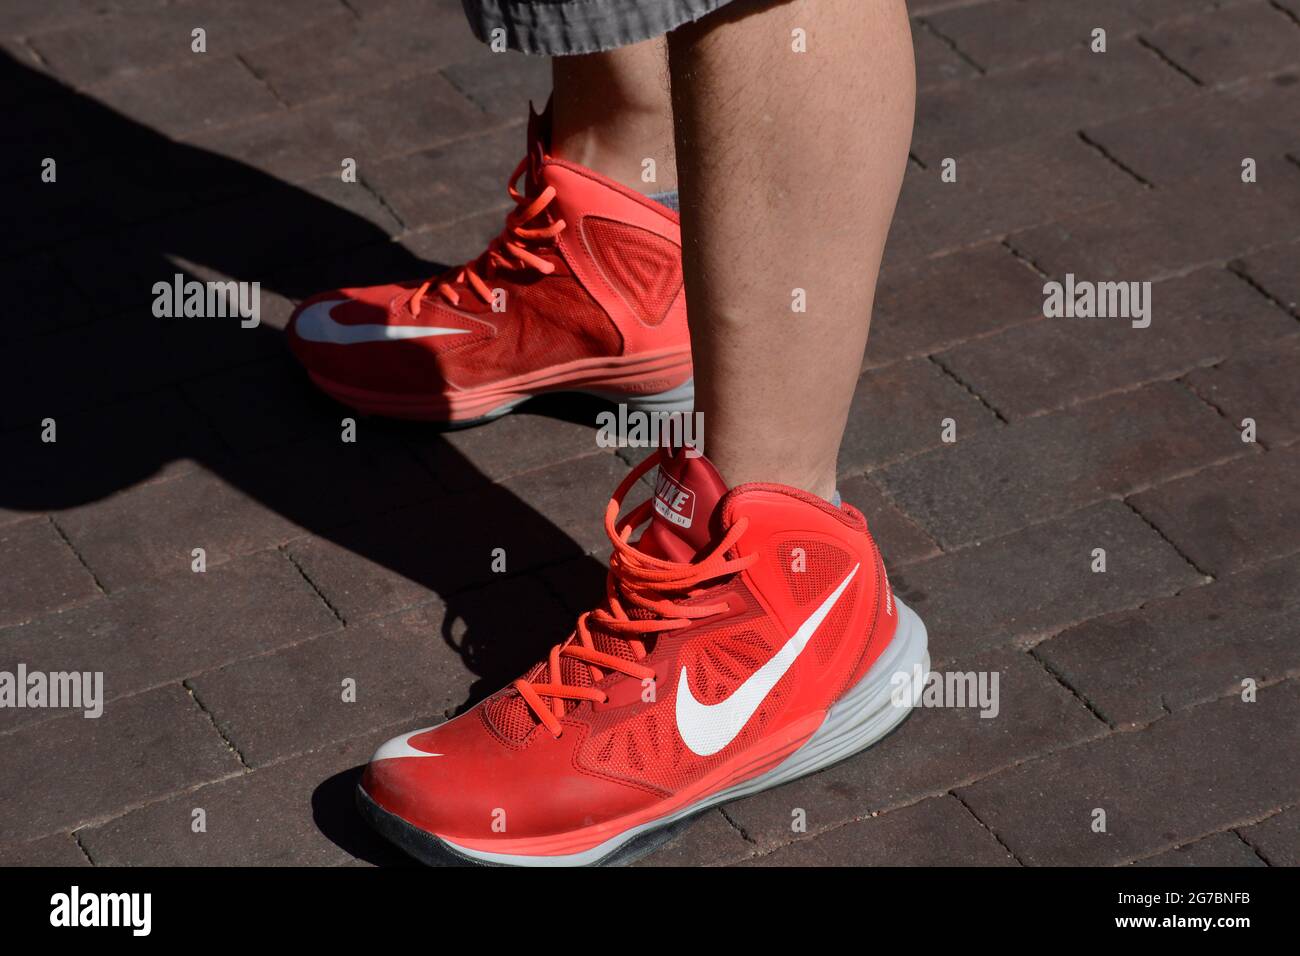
x: 622, y: 154
x: 816, y: 481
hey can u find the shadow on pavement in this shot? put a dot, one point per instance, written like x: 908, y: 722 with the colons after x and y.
x: 132, y: 207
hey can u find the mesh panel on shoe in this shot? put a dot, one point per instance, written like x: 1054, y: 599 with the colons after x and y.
x: 812, y: 570
x: 644, y: 268
x: 508, y: 715
x: 834, y: 630
x: 512, y: 718
x: 649, y: 751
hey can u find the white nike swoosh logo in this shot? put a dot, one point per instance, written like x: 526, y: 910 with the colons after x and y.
x: 316, y: 324
x: 707, y: 728
x: 401, y: 747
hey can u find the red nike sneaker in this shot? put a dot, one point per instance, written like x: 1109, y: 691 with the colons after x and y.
x: 581, y: 291
x: 749, y: 637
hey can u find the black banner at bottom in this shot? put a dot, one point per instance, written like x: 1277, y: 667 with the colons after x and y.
x: 343, y: 905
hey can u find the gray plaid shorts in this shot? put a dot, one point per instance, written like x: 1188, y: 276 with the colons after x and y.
x: 561, y: 27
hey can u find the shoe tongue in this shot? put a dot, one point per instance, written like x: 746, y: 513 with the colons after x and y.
x: 539, y: 144
x: 686, y: 495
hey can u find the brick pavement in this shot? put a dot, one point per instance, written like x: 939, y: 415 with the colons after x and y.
x: 1120, y: 690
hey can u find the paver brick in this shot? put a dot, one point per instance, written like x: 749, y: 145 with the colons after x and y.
x: 502, y: 84
x: 71, y: 771
x: 1221, y: 849
x: 1260, y: 384
x: 323, y: 483
x: 170, y: 628
x: 899, y: 410
x: 78, y: 368
x: 936, y: 61
x: 1276, y: 839
x: 1238, y: 41
x: 134, y: 38
x: 1230, y: 517
x: 1074, y: 89
x: 299, y: 812
x: 934, y: 832
x: 324, y: 216
x: 53, y: 305
x: 1271, y: 103
x: 1000, y: 191
x: 417, y: 664
x: 1193, y: 773
x: 1167, y: 231
x: 899, y: 539
x: 203, y: 93
x: 270, y: 404
x: 338, y: 686
x: 993, y: 482
x: 25, y: 17
x: 40, y: 572
x: 346, y: 54
x: 578, y: 583
x: 98, y: 452
x: 1201, y: 139
x: 457, y: 242
x: 1134, y: 666
x: 572, y: 495
x: 1273, y: 269
x: 153, y: 529
x: 933, y: 751
x: 924, y: 306
x: 372, y: 257
x: 921, y: 8
x: 58, y: 849
x: 543, y: 433
x: 240, y: 508
x: 408, y: 556
x: 1006, y: 34
x: 450, y: 182
x: 709, y: 841
x: 313, y: 140
x: 1195, y: 320
x: 1039, y: 580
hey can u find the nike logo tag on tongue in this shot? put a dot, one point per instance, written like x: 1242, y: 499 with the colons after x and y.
x: 316, y: 324
x: 674, y: 501
x: 708, y: 728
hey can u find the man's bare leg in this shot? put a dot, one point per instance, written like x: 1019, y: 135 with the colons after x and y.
x: 790, y: 167
x: 611, y: 112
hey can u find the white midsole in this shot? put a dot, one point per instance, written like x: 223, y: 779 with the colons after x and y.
x: 680, y: 399
x: 864, y: 715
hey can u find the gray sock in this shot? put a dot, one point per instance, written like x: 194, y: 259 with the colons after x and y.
x: 668, y: 199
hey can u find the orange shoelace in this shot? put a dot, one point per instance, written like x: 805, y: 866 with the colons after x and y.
x: 506, y: 251
x: 637, y: 581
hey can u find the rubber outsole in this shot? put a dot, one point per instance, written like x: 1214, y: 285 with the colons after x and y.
x: 858, y: 720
